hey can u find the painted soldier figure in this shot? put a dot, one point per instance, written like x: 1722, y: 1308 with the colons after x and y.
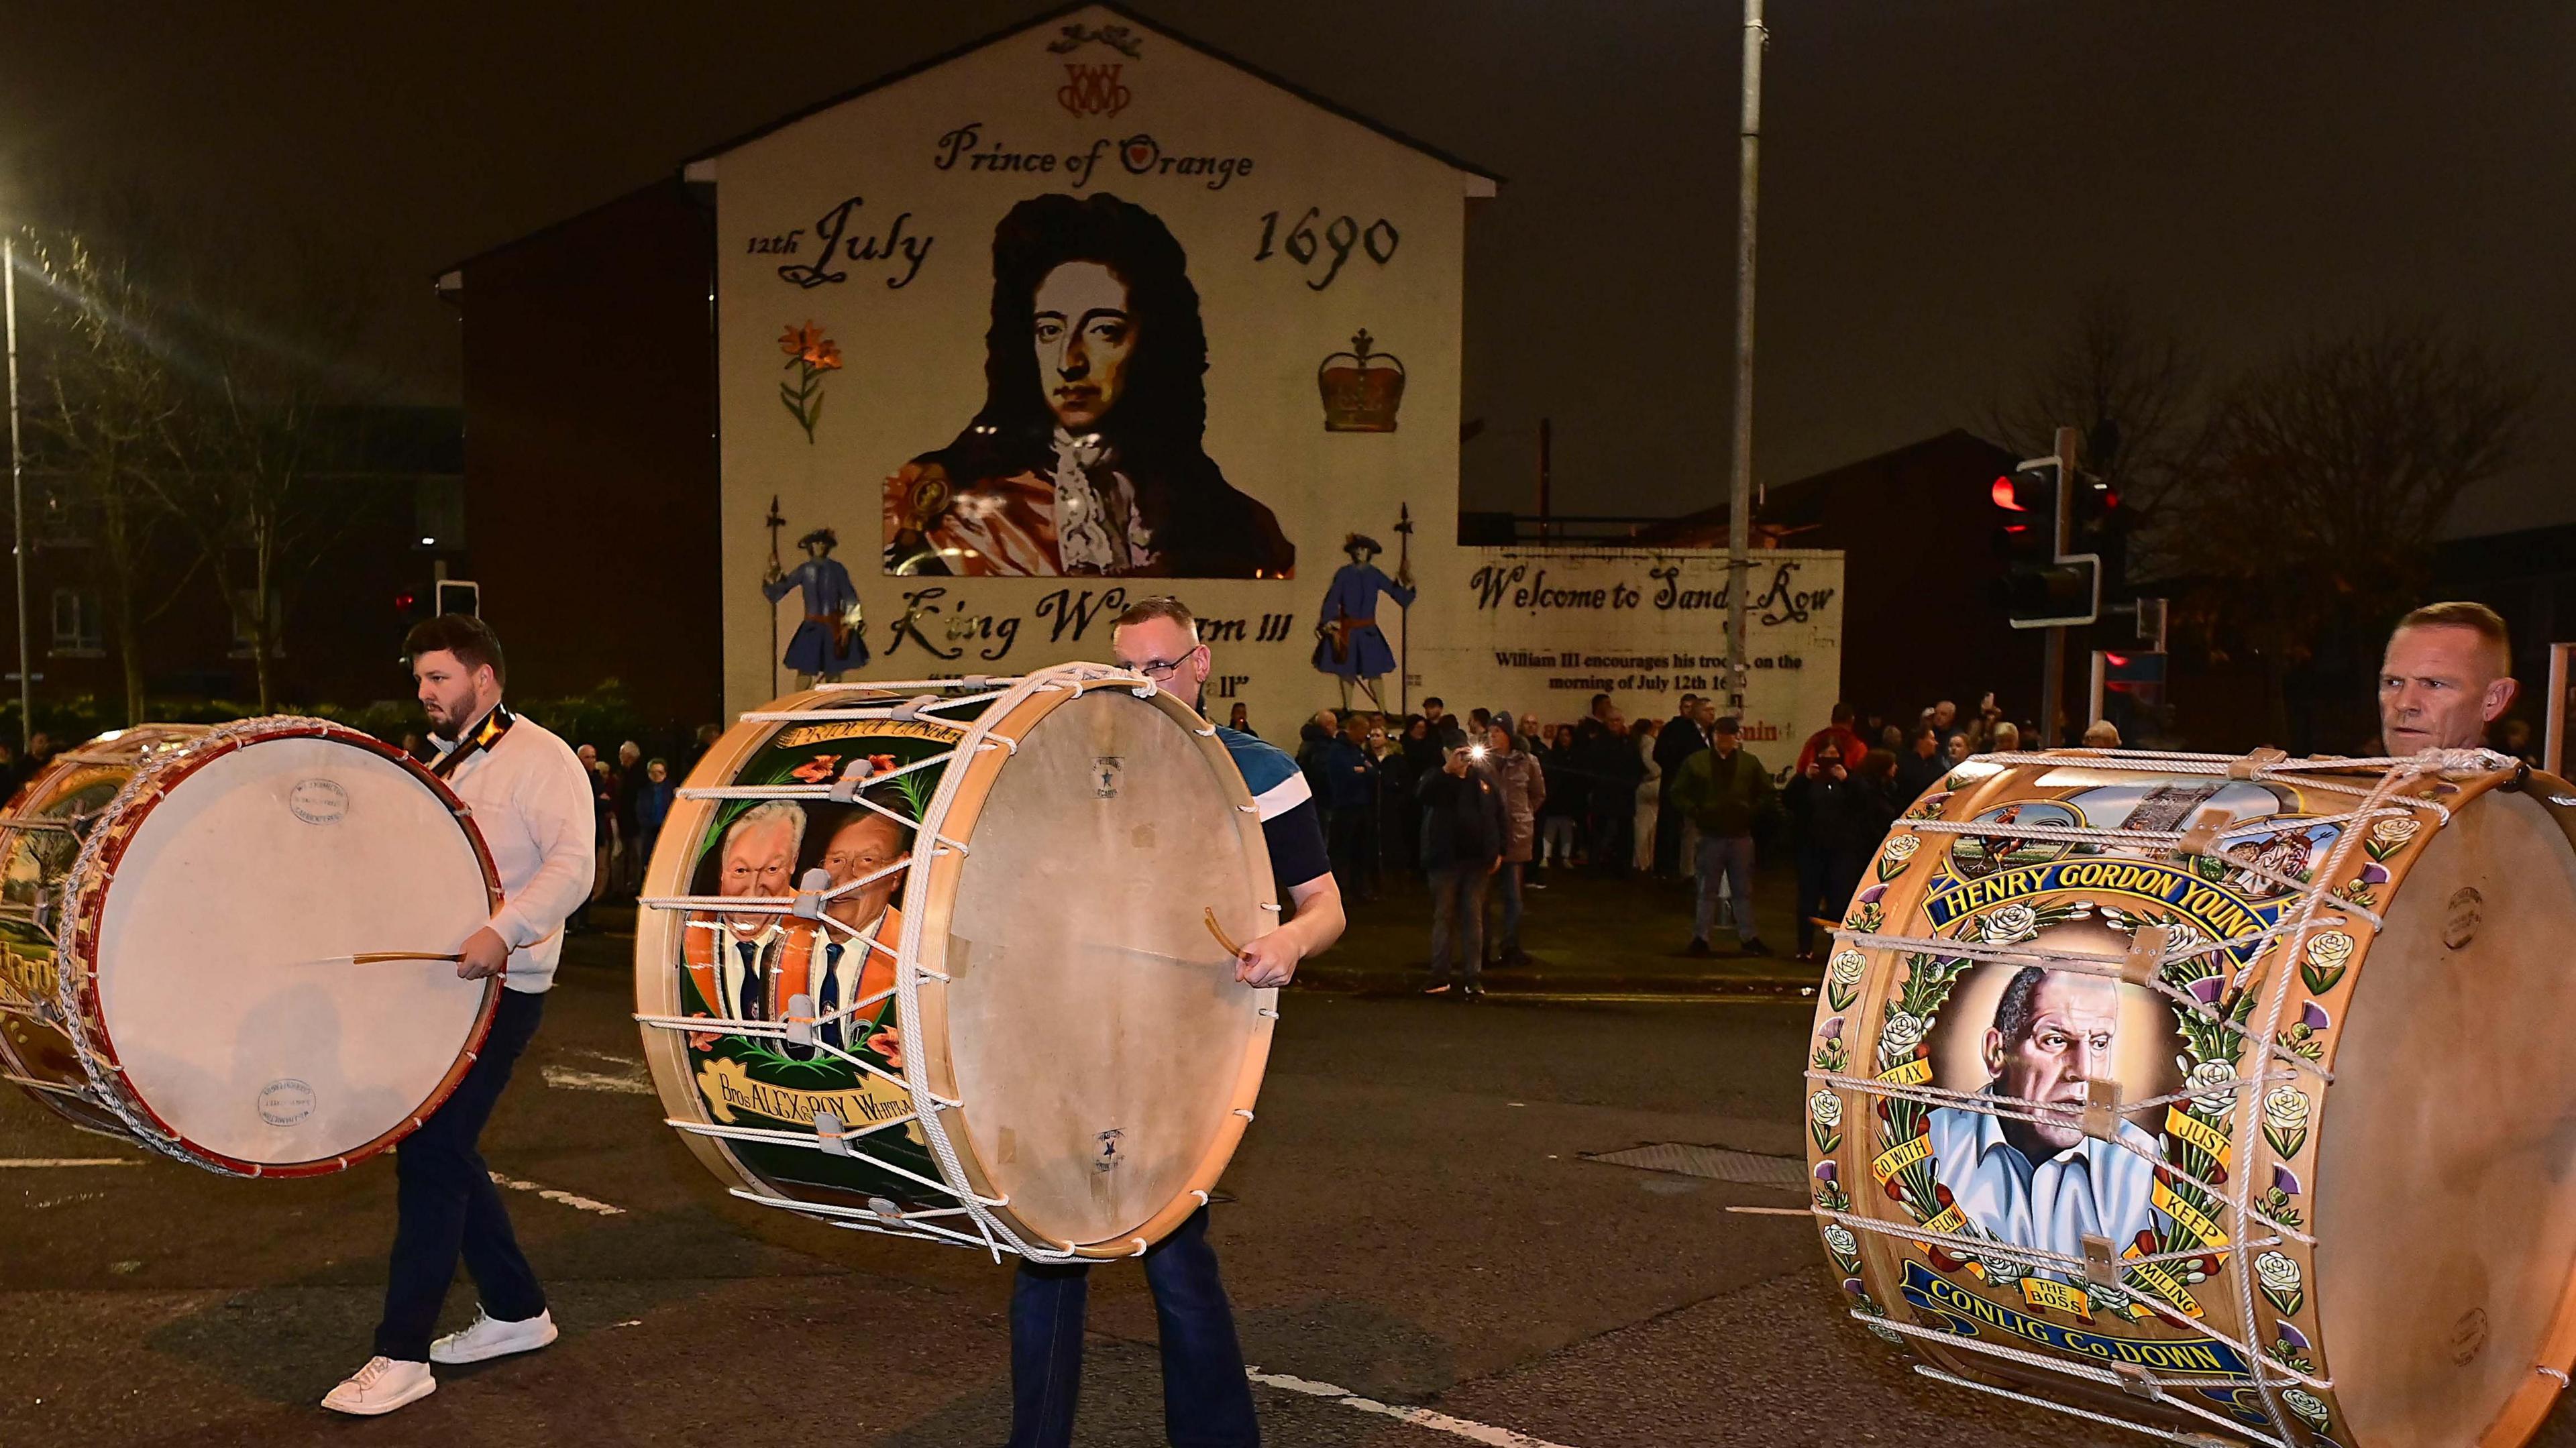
x: 828, y: 643
x: 1348, y: 642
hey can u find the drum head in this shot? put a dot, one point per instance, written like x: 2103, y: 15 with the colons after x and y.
x: 1095, y: 1029
x: 2445, y: 1230
x: 257, y: 860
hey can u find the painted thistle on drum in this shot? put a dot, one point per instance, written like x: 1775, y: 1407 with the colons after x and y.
x: 812, y: 354
x: 1831, y: 1054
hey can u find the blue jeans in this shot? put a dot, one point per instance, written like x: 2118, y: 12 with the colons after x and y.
x: 446, y: 1205
x: 1207, y: 1401
x: 1726, y: 859
x: 1505, y: 943
x: 1458, y: 923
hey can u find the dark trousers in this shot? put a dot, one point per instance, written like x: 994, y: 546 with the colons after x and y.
x: 1668, y: 836
x: 447, y: 1205
x: 1458, y: 923
x: 1353, y: 850
x: 1207, y: 1401
x: 1815, y: 897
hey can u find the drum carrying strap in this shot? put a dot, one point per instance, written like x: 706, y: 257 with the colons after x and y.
x: 481, y: 738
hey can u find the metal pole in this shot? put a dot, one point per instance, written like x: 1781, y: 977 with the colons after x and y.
x: 2053, y: 663
x: 17, y: 496
x: 1739, y: 512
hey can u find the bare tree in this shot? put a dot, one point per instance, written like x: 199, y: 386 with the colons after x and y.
x: 103, y: 397
x: 259, y: 441
x: 2323, y: 478
x: 2132, y: 387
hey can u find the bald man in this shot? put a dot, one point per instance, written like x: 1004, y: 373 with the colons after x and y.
x: 2447, y: 675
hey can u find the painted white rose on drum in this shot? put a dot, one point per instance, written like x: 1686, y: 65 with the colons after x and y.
x: 2389, y: 834
x: 1901, y: 1034
x: 1901, y: 848
x: 2011, y: 924
x: 2211, y: 1073
x: 2310, y: 1408
x: 1848, y: 965
x: 1840, y: 1241
x: 1825, y: 1109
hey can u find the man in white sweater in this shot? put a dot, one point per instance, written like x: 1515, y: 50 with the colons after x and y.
x: 532, y: 801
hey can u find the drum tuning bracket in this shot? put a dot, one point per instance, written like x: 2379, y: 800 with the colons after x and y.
x: 2200, y: 837
x: 910, y: 709
x: 2146, y: 954
x: 846, y: 788
x: 2253, y: 763
x: 2135, y: 1381
x: 2101, y: 1269
x: 809, y: 894
x: 2102, y: 1109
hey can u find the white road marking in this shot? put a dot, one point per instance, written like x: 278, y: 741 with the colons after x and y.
x: 582, y: 1204
x: 71, y: 1161
x: 1484, y: 1433
x: 568, y: 1079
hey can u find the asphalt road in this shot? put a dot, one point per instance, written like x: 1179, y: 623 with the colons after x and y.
x: 1417, y: 1224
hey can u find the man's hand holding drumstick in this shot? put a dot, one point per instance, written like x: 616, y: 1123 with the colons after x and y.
x: 482, y: 955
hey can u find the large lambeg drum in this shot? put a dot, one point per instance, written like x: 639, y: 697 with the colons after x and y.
x: 2228, y: 1098
x: 942, y: 960
x: 183, y: 915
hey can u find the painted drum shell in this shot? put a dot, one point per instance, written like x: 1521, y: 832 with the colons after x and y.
x: 993, y: 1070
x: 167, y: 763
x: 2329, y: 1163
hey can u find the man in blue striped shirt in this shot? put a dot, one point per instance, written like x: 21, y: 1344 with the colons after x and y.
x: 1207, y: 1401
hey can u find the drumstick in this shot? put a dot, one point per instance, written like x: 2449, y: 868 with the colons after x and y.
x: 1219, y: 932
x: 377, y: 957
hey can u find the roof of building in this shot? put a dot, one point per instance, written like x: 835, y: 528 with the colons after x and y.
x: 1795, y: 506
x: 450, y: 273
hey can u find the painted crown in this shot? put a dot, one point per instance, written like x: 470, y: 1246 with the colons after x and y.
x: 1361, y: 388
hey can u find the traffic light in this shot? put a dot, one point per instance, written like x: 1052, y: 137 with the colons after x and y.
x: 407, y: 612
x: 2040, y: 587
x: 2100, y: 526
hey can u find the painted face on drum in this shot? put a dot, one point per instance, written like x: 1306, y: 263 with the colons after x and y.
x: 759, y: 859
x: 1083, y: 337
x: 2439, y: 688
x: 2068, y: 1036
x: 858, y: 849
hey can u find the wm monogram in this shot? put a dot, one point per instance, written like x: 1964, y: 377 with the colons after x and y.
x: 1092, y: 90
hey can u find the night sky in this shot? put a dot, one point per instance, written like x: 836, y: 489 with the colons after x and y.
x: 1943, y: 180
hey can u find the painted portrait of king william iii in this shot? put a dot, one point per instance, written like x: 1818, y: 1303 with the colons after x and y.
x: 1088, y: 455
x: 2045, y: 1184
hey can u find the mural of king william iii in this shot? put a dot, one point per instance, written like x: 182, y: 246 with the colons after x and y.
x: 1087, y: 457
x: 2045, y: 1184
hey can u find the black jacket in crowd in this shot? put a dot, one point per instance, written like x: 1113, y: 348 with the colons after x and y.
x: 1462, y: 819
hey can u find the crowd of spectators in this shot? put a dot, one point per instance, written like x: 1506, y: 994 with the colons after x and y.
x: 1484, y: 808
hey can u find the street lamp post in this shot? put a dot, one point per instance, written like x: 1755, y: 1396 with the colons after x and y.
x: 1739, y: 513
x: 17, y: 494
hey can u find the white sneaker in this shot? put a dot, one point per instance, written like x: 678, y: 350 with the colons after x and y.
x: 383, y: 1385
x: 490, y: 1337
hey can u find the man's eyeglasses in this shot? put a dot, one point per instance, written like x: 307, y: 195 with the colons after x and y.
x: 1163, y: 668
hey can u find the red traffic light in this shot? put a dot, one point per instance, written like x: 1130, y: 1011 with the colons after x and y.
x: 2004, y: 494
x: 404, y: 601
